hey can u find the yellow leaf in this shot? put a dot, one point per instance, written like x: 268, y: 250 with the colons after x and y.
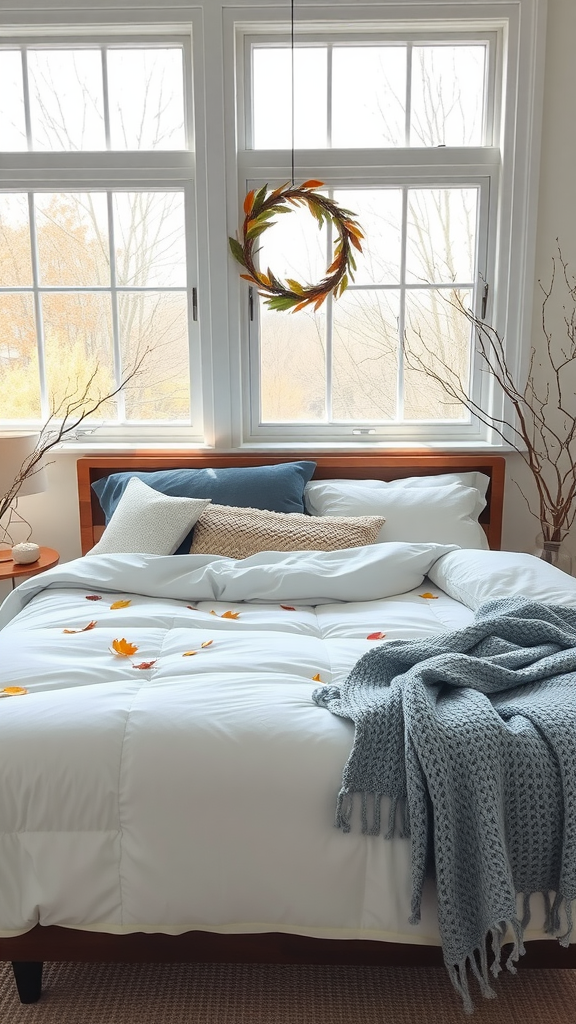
x: 213, y: 612
x: 119, y: 604
x: 12, y: 691
x: 84, y: 628
x: 316, y: 678
x: 207, y: 643
x: 123, y: 648
x: 230, y: 615
x: 188, y: 654
x: 431, y: 597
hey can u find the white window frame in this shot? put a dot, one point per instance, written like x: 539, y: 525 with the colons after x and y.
x: 505, y: 172
x: 213, y: 28
x: 112, y: 171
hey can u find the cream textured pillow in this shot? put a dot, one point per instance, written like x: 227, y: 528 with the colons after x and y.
x: 145, y: 520
x: 240, y: 532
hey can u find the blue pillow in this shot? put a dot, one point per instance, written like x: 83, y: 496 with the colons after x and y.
x: 278, y: 488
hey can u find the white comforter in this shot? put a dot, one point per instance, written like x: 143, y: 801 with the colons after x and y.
x: 199, y: 792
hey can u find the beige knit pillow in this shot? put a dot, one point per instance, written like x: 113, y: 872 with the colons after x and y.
x: 239, y: 532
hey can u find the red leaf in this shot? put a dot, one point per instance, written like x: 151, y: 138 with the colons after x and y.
x: 145, y: 664
x: 288, y: 607
x: 93, y: 597
x: 376, y: 636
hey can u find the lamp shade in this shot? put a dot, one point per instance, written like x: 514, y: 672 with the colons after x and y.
x: 15, y: 449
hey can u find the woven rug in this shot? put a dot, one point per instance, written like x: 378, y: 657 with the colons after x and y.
x: 270, y: 994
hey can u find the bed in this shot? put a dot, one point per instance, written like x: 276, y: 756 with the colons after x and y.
x: 115, y: 879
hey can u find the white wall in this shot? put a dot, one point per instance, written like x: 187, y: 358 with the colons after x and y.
x: 54, y: 515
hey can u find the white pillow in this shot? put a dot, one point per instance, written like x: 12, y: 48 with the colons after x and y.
x: 146, y: 521
x: 314, y: 490
x: 473, y: 577
x: 439, y: 515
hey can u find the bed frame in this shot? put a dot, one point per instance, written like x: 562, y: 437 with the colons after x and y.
x: 27, y: 952
x: 364, y: 465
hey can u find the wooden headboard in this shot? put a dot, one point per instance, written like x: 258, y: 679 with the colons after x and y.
x: 365, y: 465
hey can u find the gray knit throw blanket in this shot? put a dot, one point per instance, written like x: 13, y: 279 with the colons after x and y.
x: 472, y: 734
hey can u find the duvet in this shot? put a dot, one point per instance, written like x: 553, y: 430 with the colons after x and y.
x: 167, y: 769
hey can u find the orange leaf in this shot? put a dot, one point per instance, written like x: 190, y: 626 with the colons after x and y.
x: 316, y: 678
x: 145, y: 664
x: 119, y: 604
x: 431, y: 597
x: 312, y: 183
x: 123, y: 648
x: 93, y: 597
x: 355, y: 242
x: 249, y: 202
x: 248, y: 277
x: 376, y: 636
x: 188, y: 654
x: 12, y: 691
x: 230, y: 615
x: 319, y: 301
x: 207, y: 643
x: 84, y: 628
x: 288, y: 607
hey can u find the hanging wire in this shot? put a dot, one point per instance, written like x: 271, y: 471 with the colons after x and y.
x: 292, y: 60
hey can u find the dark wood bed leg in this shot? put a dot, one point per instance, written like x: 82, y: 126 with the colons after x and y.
x: 28, y: 978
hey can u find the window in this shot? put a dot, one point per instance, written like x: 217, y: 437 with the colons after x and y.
x: 128, y: 139
x: 94, y: 278
x: 401, y: 132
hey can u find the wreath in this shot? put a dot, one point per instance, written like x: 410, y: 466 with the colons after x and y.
x: 260, y: 207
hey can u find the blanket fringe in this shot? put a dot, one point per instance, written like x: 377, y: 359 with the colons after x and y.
x: 398, y: 819
x: 477, y: 962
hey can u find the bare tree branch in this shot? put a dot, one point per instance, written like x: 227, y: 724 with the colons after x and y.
x: 542, y: 429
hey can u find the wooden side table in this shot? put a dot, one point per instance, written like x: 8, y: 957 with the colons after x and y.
x: 12, y: 570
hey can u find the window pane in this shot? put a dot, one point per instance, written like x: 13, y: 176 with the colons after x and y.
x: 447, y: 95
x: 159, y: 322
x: 292, y: 366
x: 272, y: 97
x: 15, y: 260
x: 437, y: 336
x: 19, y: 378
x: 78, y: 346
x: 365, y: 355
x: 146, y: 89
x: 294, y: 247
x: 368, y: 96
x: 72, y: 231
x: 66, y: 100
x: 149, y: 239
x: 441, y: 240
x: 379, y: 213
x: 12, y: 123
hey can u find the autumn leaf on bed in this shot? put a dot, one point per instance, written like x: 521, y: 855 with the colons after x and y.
x: 376, y: 636
x: 188, y: 654
x: 145, y: 664
x: 431, y: 597
x: 288, y: 607
x: 206, y: 643
x: 119, y: 604
x: 12, y: 691
x: 123, y: 648
x: 226, y: 615
x: 93, y: 597
x: 316, y: 678
x: 84, y: 628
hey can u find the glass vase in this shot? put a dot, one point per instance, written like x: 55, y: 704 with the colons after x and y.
x: 554, y: 552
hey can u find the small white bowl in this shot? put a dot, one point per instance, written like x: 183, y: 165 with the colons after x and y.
x: 24, y: 553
